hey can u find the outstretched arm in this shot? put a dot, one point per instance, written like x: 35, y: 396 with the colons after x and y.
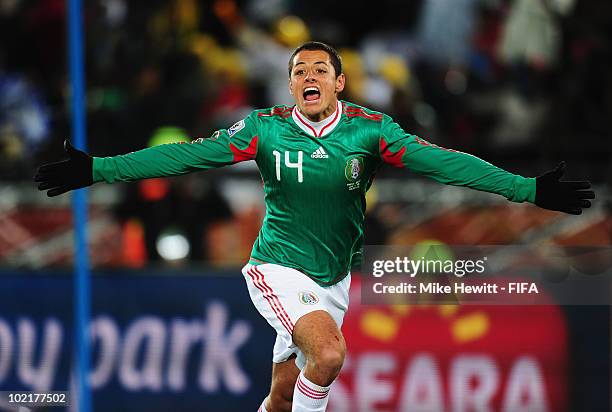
x: 462, y: 169
x: 224, y: 147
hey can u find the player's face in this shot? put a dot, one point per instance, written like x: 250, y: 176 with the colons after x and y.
x: 314, y: 85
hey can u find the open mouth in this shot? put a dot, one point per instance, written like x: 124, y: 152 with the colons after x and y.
x: 311, y: 94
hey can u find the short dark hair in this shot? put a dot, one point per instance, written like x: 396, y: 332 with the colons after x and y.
x: 334, y: 57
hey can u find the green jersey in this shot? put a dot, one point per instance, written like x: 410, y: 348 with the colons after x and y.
x: 315, y: 180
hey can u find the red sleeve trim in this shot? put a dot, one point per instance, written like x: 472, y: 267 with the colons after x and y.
x: 352, y: 111
x: 394, y: 159
x: 240, y: 155
x: 283, y: 112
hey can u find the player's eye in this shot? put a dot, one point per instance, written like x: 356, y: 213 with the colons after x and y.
x: 298, y: 72
x: 322, y: 71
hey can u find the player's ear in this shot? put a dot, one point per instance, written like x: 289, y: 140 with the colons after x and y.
x: 340, y: 81
x: 290, y: 89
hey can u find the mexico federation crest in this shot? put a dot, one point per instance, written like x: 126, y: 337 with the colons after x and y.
x: 353, y: 169
x: 308, y: 298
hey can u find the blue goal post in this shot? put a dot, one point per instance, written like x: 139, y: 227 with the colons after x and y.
x: 82, y: 397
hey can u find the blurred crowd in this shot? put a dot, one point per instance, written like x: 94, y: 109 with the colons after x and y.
x: 521, y: 78
x: 522, y: 83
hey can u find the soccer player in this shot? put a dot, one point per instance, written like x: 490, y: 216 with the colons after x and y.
x: 317, y: 160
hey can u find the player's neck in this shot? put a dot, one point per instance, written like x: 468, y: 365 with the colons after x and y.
x: 320, y: 128
x: 325, y: 114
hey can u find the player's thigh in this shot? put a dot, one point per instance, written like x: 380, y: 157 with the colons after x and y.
x: 319, y: 330
x: 284, y: 375
x: 317, y: 335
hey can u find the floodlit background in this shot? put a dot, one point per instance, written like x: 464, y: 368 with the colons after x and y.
x: 523, y: 84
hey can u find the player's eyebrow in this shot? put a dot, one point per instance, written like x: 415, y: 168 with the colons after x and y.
x: 321, y: 62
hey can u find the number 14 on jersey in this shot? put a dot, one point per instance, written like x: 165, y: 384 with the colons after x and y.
x: 288, y: 163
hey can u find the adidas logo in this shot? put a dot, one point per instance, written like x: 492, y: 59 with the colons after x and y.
x: 319, y: 154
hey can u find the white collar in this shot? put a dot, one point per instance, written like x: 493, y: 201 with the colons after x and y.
x: 317, y: 129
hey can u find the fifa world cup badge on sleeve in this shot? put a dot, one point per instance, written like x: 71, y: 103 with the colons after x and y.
x: 238, y: 126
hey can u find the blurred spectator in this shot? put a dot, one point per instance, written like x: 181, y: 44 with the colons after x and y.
x: 532, y: 34
x: 446, y: 29
x: 24, y: 123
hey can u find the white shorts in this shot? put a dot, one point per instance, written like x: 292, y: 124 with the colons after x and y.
x: 283, y: 295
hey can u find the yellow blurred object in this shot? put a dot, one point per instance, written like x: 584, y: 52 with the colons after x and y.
x: 180, y: 17
x: 351, y: 61
x: 228, y: 63
x: 291, y: 31
x: 401, y: 310
x: 11, y: 144
x: 379, y: 325
x: 216, y: 60
x: 448, y: 310
x: 203, y: 46
x: 394, y: 70
x: 470, y: 327
x: 371, y: 198
x: 186, y: 14
x: 352, y: 66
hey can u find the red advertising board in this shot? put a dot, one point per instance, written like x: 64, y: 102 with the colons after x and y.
x: 452, y: 358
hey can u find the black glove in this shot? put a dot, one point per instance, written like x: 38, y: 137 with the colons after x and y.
x: 568, y: 197
x: 61, y: 177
